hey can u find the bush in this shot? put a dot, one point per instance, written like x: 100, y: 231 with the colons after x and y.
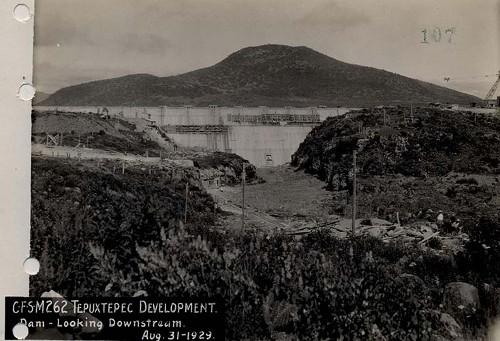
x: 105, y: 235
x: 482, y: 252
x: 467, y: 181
x: 435, y: 243
x: 74, y: 207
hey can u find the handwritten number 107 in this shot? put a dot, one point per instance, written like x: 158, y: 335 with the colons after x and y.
x: 437, y: 34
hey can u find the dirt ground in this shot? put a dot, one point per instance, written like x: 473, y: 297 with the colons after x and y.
x: 288, y: 200
x: 296, y: 202
x: 285, y: 193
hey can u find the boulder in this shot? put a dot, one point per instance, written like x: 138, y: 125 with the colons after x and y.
x: 460, y: 298
x: 450, y: 327
x: 376, y: 232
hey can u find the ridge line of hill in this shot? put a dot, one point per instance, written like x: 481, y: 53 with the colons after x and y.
x: 266, y: 75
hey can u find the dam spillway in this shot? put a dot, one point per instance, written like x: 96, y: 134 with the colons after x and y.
x: 264, y: 136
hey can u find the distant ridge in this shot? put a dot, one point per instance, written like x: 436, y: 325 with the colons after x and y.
x: 272, y: 75
x: 40, y: 97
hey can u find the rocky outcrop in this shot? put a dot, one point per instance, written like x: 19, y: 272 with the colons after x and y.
x: 461, y: 298
x: 432, y: 143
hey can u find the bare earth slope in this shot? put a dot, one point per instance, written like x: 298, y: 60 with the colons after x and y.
x: 272, y: 75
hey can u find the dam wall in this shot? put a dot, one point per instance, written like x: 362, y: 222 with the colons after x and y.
x: 188, y: 115
x: 265, y: 136
x: 261, y: 145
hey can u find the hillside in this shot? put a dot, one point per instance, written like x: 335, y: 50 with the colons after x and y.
x: 272, y: 75
x: 40, y: 97
x: 442, y: 161
x: 436, y: 143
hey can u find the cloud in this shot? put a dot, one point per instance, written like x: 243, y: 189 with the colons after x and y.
x: 142, y: 42
x: 329, y: 15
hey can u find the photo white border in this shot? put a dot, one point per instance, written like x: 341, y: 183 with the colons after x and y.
x: 16, y: 68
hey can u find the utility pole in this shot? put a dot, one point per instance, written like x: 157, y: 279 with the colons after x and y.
x: 186, y: 203
x: 243, y: 177
x: 353, y: 191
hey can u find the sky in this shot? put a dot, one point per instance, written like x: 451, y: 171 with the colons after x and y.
x: 78, y: 41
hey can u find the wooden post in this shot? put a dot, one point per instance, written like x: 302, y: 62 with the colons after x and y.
x: 243, y: 177
x: 123, y: 167
x: 52, y: 153
x: 215, y: 210
x: 114, y: 168
x: 98, y: 163
x: 149, y: 170
x: 353, y: 191
x: 147, y: 153
x: 186, y: 203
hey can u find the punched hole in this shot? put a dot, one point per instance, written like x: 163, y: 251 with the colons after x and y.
x: 31, y: 266
x: 22, y: 13
x: 26, y: 92
x: 20, y: 331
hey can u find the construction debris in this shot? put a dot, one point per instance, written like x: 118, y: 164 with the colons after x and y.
x: 379, y: 228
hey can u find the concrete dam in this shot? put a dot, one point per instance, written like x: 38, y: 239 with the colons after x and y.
x: 264, y: 136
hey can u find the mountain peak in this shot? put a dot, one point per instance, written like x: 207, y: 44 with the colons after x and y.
x: 273, y: 52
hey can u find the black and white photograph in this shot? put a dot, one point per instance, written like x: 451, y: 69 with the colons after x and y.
x: 262, y: 170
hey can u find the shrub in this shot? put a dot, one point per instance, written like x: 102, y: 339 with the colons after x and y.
x: 482, y: 252
x: 117, y: 235
x: 435, y: 243
x: 467, y: 181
